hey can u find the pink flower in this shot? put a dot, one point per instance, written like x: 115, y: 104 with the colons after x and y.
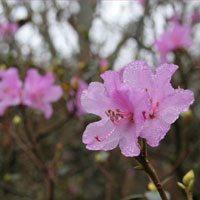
x: 140, y: 104
x: 39, y: 91
x: 104, y: 63
x: 120, y: 108
x: 8, y: 29
x: 166, y: 103
x: 75, y: 104
x: 195, y: 17
x: 174, y: 18
x: 10, y: 89
x: 176, y: 37
x: 142, y: 2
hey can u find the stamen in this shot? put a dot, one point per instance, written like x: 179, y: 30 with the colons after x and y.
x: 144, y: 115
x: 107, y: 136
x: 119, y: 117
x: 107, y: 113
x: 152, y: 116
x: 157, y: 104
x: 146, y: 89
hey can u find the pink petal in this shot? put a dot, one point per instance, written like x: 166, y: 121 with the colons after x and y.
x: 95, y: 99
x: 154, y: 130
x: 176, y: 103
x: 52, y: 94
x: 101, y: 129
x: 47, y: 110
x: 129, y: 142
x: 3, y: 107
x: 139, y: 74
x: 112, y: 81
x: 32, y: 79
x: 47, y: 80
x: 162, y: 80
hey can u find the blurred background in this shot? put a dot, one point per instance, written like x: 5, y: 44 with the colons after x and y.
x: 77, y: 41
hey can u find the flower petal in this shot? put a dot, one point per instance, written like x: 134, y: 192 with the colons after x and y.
x: 154, y: 130
x: 47, y: 110
x: 101, y: 129
x: 139, y: 74
x: 176, y: 103
x: 52, y: 94
x: 112, y: 81
x: 95, y: 99
x: 129, y: 142
x: 162, y: 80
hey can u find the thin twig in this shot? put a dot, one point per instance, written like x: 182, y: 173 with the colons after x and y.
x: 143, y: 160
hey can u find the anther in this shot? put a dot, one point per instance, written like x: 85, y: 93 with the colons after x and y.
x: 152, y: 116
x: 144, y: 115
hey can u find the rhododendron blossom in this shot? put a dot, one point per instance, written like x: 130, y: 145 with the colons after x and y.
x: 40, y: 91
x: 141, y: 103
x: 8, y: 29
x: 120, y: 108
x: 75, y: 104
x: 177, y: 37
x: 10, y: 89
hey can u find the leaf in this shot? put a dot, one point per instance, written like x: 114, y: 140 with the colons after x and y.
x: 166, y: 180
x: 155, y: 195
x: 135, y: 196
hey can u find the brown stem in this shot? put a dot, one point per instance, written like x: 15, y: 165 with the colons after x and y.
x: 49, y: 186
x: 142, y: 159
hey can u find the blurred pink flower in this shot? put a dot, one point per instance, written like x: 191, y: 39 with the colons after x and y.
x: 177, y: 37
x: 8, y: 28
x: 166, y: 103
x: 195, y: 17
x: 142, y: 2
x: 104, y: 63
x: 75, y: 104
x: 40, y: 91
x: 10, y: 89
x: 174, y: 18
x: 120, y: 108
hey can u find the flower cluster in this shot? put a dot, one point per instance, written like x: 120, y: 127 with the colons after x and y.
x: 8, y: 29
x: 176, y: 37
x: 137, y: 102
x: 37, y: 92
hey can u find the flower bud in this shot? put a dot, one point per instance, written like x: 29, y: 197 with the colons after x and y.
x: 104, y: 65
x: 187, y: 115
x: 181, y: 185
x: 3, y: 67
x: 188, y: 177
x: 81, y: 65
x: 101, y: 157
x: 139, y: 167
x: 152, y: 187
x: 66, y: 86
x: 17, y: 120
x: 74, y: 82
x: 191, y: 184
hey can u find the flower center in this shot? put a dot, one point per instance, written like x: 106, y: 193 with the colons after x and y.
x: 118, y: 117
x: 153, y: 110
